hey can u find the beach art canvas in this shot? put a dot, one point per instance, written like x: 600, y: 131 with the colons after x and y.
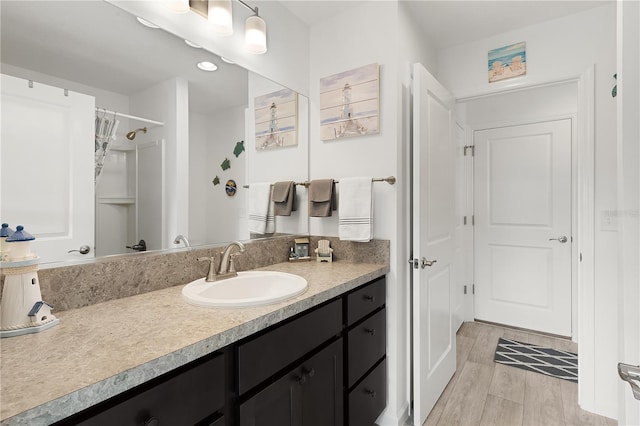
x: 276, y: 119
x: 349, y: 103
x: 507, y: 62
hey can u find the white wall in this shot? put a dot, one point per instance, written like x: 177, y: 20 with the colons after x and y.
x: 560, y: 49
x: 344, y: 42
x: 213, y: 215
x: 168, y: 102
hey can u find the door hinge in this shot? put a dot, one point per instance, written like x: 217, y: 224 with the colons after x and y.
x: 465, y: 289
x: 473, y: 289
x: 580, y: 257
x: 464, y: 220
x: 472, y: 148
x: 473, y: 220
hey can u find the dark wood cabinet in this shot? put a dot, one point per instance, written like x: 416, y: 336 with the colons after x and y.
x: 309, y: 394
x: 262, y: 356
x: 194, y: 394
x: 368, y: 398
x: 366, y: 334
x: 323, y: 367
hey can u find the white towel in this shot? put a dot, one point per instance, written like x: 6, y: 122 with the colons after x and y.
x: 355, y: 209
x: 260, y: 208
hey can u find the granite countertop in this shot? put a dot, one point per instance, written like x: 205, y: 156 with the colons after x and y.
x: 102, y: 350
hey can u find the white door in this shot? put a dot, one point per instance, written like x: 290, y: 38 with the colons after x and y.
x: 434, y: 345
x: 523, y: 226
x: 41, y: 125
x: 628, y: 104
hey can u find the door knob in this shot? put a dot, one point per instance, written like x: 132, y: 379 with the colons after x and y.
x: 82, y: 250
x: 423, y: 263
x: 563, y: 239
x: 631, y: 375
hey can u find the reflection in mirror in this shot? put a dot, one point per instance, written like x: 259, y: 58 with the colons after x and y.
x: 127, y: 142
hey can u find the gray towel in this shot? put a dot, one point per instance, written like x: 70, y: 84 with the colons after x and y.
x: 321, y: 198
x: 284, y: 198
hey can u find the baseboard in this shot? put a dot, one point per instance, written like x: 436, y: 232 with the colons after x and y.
x: 400, y: 418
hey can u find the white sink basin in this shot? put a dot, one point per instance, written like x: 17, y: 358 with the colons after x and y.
x: 247, y: 289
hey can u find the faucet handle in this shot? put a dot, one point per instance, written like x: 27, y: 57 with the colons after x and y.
x: 211, y: 274
x: 232, y: 265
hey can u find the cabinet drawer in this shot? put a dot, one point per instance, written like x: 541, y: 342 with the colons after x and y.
x: 260, y: 358
x: 365, y: 300
x: 367, y: 344
x: 368, y: 399
x: 310, y: 394
x: 186, y: 398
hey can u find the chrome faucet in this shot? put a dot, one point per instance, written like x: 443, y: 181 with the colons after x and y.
x: 183, y: 239
x: 227, y: 268
x: 226, y: 264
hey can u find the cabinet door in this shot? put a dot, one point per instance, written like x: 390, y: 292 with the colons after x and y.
x: 322, y: 397
x: 309, y: 395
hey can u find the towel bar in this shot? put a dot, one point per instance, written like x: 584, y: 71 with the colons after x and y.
x: 391, y: 180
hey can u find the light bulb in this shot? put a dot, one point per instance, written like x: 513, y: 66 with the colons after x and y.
x: 255, y: 35
x: 220, y: 15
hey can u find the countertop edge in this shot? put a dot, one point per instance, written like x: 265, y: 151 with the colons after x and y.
x: 88, y: 396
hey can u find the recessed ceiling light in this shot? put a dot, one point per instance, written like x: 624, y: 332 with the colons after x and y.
x: 192, y: 44
x: 147, y: 23
x: 229, y: 61
x: 207, y: 66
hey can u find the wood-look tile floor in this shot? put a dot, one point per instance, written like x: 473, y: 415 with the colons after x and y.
x: 485, y: 393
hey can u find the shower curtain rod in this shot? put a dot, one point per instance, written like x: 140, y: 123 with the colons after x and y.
x: 133, y: 117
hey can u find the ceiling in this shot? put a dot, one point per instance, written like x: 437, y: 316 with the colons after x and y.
x: 451, y: 22
x: 99, y: 45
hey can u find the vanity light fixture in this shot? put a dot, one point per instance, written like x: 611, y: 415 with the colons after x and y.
x: 178, y: 6
x: 219, y: 13
x: 207, y: 66
x: 147, y: 23
x: 220, y: 16
x: 255, y: 33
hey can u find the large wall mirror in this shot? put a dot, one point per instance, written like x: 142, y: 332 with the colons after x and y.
x: 111, y: 135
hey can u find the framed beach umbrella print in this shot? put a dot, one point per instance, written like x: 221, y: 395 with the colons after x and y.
x: 507, y: 62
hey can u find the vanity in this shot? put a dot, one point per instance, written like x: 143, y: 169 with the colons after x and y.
x: 316, y: 359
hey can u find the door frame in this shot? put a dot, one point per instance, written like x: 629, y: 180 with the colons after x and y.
x: 583, y: 221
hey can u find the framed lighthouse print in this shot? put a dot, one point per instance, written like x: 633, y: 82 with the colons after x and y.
x: 276, y: 117
x: 350, y: 103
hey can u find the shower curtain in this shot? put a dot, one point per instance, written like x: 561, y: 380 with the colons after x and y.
x: 105, y: 133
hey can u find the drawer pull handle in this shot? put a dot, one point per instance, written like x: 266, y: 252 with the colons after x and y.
x: 301, y: 378
x: 369, y: 298
x: 370, y: 331
x: 308, y: 371
x: 370, y: 392
x: 152, y: 421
